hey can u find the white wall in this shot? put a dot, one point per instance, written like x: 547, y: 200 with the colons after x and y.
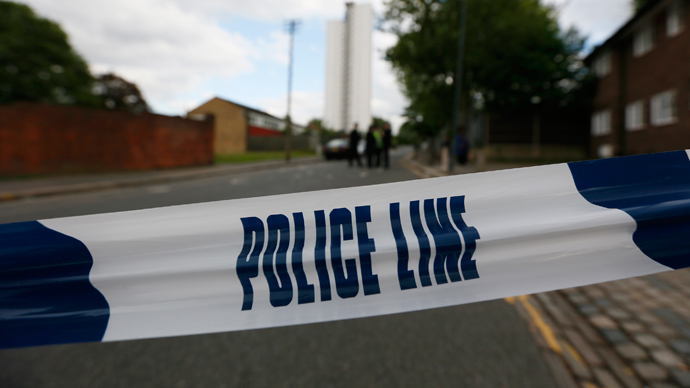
x: 356, y: 60
x: 359, y: 62
x: 335, y: 39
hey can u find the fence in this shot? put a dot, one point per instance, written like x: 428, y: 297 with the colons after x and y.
x: 38, y: 139
x: 265, y: 143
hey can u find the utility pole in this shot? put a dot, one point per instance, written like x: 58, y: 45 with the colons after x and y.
x: 457, y: 83
x: 291, y: 27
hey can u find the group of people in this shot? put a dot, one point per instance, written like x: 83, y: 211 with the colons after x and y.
x: 378, y: 144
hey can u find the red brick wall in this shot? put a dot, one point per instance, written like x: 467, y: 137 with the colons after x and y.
x: 665, y: 67
x: 49, y: 138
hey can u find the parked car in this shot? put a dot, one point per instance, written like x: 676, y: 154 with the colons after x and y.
x: 336, y: 149
x: 340, y: 148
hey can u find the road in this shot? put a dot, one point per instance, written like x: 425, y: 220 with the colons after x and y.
x: 478, y: 345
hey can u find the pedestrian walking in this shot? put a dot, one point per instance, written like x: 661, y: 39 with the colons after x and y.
x: 354, y: 141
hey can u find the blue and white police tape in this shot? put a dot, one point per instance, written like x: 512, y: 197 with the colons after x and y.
x: 346, y: 253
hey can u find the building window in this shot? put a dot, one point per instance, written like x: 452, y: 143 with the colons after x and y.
x: 601, y: 123
x: 643, y: 42
x: 674, y: 19
x: 634, y: 116
x: 605, y: 151
x: 663, y: 108
x: 602, y: 64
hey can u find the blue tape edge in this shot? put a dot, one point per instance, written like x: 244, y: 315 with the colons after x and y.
x: 45, y: 294
x: 654, y: 190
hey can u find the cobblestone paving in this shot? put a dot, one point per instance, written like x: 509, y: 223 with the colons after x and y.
x: 630, y: 333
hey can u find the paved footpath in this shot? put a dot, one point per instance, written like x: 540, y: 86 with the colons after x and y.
x: 630, y: 333
x: 13, y: 189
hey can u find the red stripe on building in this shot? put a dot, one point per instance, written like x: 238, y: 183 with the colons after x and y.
x: 265, y: 132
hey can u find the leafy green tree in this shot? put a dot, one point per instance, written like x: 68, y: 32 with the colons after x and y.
x: 325, y: 133
x: 638, y: 4
x: 516, y: 57
x: 315, y: 124
x: 37, y: 62
x: 379, y: 122
x: 413, y: 132
x: 120, y: 94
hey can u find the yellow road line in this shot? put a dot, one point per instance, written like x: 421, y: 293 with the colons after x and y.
x: 546, y: 330
x: 574, y: 353
x: 6, y: 196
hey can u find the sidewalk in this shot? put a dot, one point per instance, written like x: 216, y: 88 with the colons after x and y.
x: 630, y: 333
x: 13, y: 189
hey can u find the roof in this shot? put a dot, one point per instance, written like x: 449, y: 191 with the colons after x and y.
x: 640, y: 14
x: 249, y: 108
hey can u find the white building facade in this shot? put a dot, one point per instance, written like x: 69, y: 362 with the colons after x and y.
x: 348, y: 69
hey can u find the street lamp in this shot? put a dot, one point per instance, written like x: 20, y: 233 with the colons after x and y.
x: 457, y: 82
x: 291, y: 28
x: 536, y: 127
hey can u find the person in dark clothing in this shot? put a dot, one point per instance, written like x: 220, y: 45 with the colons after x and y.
x: 462, y: 148
x: 354, y: 141
x: 387, y: 141
x: 371, y: 145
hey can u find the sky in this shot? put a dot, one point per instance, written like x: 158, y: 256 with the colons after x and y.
x: 182, y: 53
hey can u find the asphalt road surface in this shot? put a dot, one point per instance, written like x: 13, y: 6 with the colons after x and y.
x: 478, y: 345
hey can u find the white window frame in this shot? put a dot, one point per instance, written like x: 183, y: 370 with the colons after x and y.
x: 643, y: 40
x: 605, y: 151
x: 601, y: 123
x: 674, y: 19
x: 663, y: 108
x: 602, y: 64
x: 634, y: 116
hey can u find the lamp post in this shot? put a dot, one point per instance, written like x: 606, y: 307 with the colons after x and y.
x: 291, y: 28
x: 536, y: 128
x: 457, y: 83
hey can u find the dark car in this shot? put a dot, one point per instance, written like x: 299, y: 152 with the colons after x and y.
x: 340, y: 148
x: 336, y: 149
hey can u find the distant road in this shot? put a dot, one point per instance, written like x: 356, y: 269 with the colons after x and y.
x: 478, y: 345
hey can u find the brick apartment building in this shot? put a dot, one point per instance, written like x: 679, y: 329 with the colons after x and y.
x: 643, y: 100
x: 236, y: 125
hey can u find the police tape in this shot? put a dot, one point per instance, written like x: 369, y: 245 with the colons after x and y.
x: 345, y: 253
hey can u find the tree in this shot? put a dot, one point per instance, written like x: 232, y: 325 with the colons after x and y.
x: 118, y: 93
x: 315, y: 124
x: 379, y: 122
x: 638, y: 4
x: 516, y: 57
x: 37, y: 62
x: 325, y: 133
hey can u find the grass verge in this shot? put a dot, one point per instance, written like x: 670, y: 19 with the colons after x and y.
x: 257, y: 156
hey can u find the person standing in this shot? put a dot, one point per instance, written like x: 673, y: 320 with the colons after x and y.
x: 387, y: 142
x: 354, y: 141
x: 371, y: 145
x: 378, y: 136
x: 462, y: 148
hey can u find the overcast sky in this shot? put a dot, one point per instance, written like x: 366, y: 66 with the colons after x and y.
x: 183, y: 52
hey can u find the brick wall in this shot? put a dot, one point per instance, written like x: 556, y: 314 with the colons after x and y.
x: 665, y: 67
x: 49, y: 138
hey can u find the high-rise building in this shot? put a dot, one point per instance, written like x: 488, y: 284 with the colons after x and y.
x: 348, y: 69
